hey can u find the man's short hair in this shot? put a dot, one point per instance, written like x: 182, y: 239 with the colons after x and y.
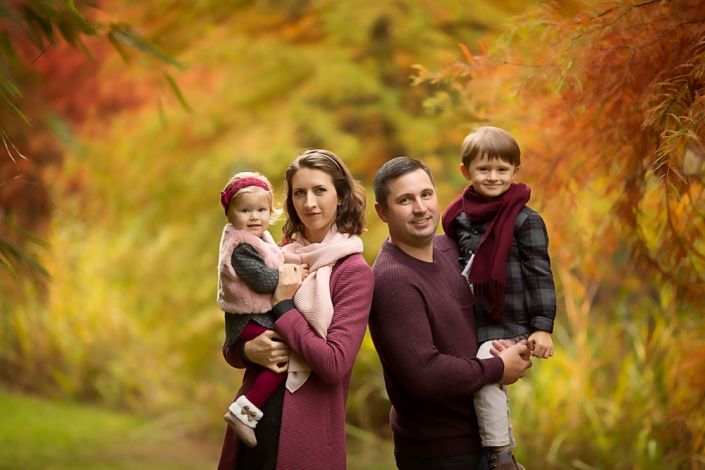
x: 392, y: 170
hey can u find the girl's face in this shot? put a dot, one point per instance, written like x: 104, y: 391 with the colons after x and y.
x: 316, y: 202
x: 250, y: 212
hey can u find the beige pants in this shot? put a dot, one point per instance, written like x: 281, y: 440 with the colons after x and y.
x: 492, y: 407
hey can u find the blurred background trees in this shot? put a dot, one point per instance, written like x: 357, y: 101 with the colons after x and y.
x: 120, y: 186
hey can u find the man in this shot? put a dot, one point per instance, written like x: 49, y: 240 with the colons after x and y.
x: 423, y: 328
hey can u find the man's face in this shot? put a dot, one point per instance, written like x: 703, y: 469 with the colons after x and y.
x: 412, y: 210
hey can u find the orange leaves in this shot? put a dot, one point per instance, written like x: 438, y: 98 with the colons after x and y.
x: 608, y: 103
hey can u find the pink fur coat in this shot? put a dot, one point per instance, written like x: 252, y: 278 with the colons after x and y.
x: 234, y: 295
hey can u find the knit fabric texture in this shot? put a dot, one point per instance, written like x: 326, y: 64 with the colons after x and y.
x: 423, y: 328
x: 313, y: 299
x: 313, y: 420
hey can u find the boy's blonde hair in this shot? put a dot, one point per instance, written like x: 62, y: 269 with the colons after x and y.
x: 274, y: 212
x: 493, y: 141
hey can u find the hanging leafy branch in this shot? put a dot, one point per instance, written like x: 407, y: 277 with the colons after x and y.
x: 28, y: 29
x: 610, y: 101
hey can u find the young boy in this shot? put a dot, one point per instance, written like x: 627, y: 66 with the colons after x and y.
x: 504, y: 256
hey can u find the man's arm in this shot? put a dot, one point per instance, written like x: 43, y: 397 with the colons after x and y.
x: 402, y: 334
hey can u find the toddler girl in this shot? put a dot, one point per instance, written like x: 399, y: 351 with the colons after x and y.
x: 247, y: 276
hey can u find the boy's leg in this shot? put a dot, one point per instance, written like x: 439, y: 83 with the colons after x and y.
x: 491, y: 407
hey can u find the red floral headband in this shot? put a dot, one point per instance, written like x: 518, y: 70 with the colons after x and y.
x: 229, y: 193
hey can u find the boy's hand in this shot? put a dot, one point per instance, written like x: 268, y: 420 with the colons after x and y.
x: 541, y: 344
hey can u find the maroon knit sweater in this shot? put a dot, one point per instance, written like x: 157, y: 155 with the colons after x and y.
x: 424, y: 330
x: 313, y: 421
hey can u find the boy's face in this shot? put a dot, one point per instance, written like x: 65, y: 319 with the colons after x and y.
x: 490, y: 178
x: 250, y: 212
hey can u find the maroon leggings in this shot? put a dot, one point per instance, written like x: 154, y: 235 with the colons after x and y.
x: 267, y: 381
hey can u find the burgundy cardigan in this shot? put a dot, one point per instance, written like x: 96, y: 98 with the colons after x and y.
x: 313, y: 420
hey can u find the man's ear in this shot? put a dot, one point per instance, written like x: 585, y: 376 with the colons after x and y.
x: 464, y: 171
x: 381, y: 212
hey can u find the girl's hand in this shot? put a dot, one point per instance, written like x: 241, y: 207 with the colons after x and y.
x: 268, y: 350
x: 304, y: 272
x: 540, y: 344
x: 289, y: 281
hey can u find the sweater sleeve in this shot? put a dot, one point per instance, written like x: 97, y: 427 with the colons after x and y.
x: 403, y: 335
x: 540, y: 291
x: 249, y: 266
x: 332, y: 358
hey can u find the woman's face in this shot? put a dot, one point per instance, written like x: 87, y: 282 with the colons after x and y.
x: 316, y: 202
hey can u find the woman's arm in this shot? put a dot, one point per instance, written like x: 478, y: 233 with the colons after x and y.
x: 332, y: 358
x: 267, y: 350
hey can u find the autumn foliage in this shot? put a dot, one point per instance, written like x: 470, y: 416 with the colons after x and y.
x: 610, y: 105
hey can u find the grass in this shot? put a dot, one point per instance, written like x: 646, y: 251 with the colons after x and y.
x: 37, y: 434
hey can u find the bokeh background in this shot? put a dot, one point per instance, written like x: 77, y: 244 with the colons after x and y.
x: 122, y: 121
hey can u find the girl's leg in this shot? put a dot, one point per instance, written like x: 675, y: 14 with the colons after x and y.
x: 267, y: 381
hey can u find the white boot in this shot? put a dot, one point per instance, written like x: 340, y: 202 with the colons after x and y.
x: 243, y: 417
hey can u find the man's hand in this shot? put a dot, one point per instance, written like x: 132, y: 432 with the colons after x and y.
x: 516, y: 359
x: 541, y: 344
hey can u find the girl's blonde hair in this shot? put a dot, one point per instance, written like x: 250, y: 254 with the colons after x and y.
x: 274, y: 212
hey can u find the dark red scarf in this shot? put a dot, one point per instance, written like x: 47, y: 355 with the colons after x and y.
x: 488, y: 272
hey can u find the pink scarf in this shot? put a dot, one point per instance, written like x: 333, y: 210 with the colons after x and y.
x: 313, y: 299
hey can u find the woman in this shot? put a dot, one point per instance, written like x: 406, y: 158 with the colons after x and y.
x: 325, y: 215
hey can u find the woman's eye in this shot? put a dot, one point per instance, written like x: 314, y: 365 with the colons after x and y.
x: 320, y: 190
x: 298, y: 192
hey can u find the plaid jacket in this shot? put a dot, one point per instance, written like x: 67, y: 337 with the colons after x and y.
x: 530, y: 299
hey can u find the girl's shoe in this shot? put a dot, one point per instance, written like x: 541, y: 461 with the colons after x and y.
x: 243, y: 417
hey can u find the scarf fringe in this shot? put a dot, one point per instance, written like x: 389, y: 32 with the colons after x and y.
x: 496, y: 291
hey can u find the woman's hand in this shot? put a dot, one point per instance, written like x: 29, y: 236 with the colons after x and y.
x: 268, y: 350
x: 290, y: 279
